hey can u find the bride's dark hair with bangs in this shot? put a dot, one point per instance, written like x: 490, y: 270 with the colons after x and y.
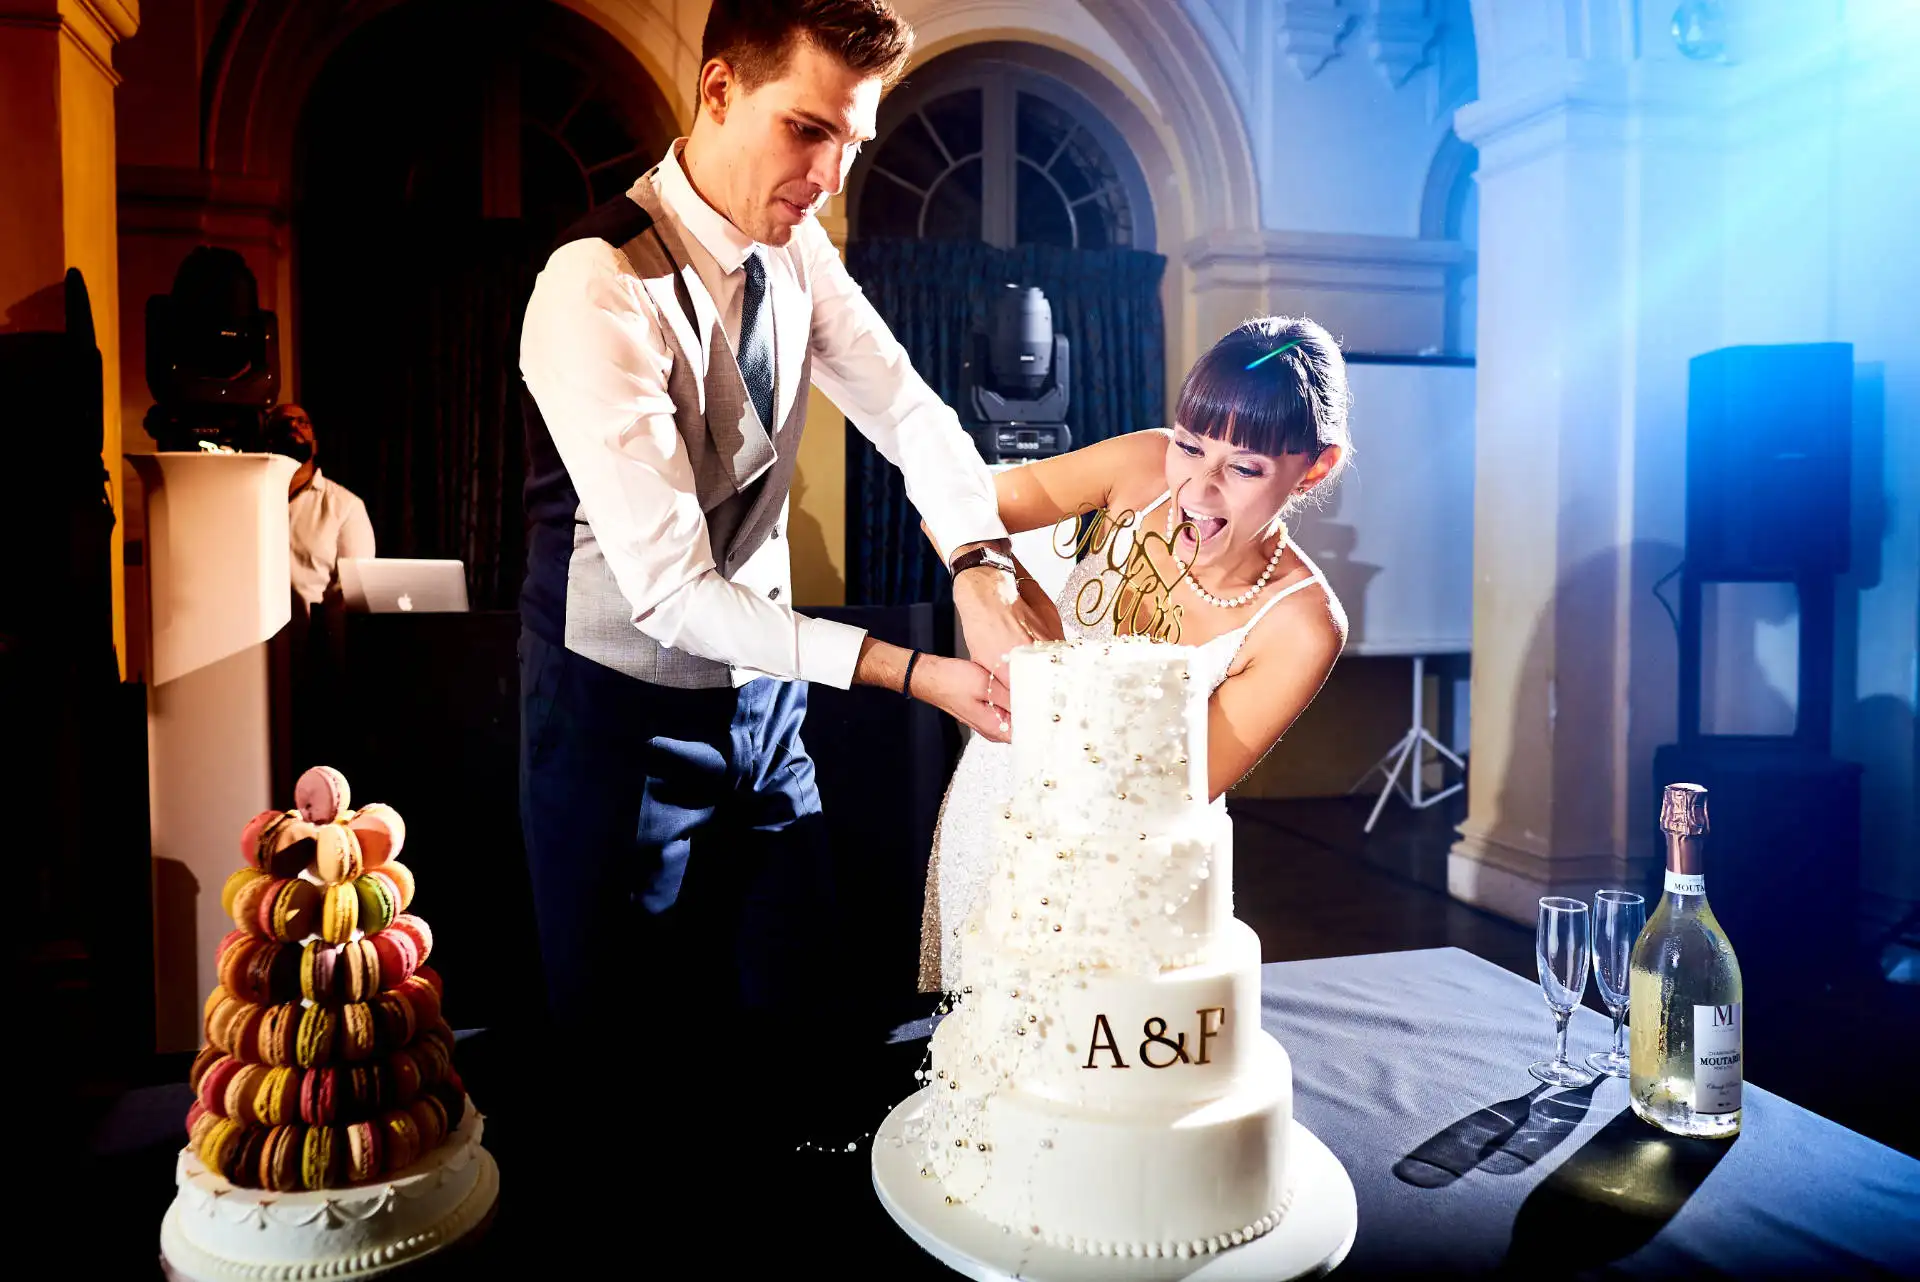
x: 1276, y: 385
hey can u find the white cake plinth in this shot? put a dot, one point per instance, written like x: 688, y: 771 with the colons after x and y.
x: 1141, y: 1181
x: 1315, y: 1230
x: 216, y: 1231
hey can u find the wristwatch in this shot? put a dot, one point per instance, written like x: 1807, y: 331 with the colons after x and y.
x: 986, y: 555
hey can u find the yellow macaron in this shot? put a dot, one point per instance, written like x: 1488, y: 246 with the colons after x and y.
x: 339, y: 913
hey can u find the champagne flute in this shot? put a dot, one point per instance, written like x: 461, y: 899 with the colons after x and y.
x: 1562, y: 946
x: 1618, y: 916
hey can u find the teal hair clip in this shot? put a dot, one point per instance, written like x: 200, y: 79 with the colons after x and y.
x: 1288, y: 346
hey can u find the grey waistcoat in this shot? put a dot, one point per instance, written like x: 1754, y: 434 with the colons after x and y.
x: 741, y: 474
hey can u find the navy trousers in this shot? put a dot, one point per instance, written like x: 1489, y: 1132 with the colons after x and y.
x: 679, y: 868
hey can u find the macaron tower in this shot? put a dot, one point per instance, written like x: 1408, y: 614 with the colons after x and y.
x: 329, y: 1128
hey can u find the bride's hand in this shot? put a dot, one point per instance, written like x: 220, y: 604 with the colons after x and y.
x: 964, y: 690
x: 1037, y: 612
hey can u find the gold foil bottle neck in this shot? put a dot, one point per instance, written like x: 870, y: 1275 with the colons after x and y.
x: 1683, y: 810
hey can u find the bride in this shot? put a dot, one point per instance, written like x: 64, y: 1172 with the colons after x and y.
x: 1261, y: 423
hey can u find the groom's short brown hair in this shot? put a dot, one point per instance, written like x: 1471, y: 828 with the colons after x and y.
x: 756, y: 37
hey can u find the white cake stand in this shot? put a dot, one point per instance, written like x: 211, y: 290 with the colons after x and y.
x: 379, y: 1227
x: 1313, y: 1237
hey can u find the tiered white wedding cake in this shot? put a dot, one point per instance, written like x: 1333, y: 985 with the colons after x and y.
x: 1103, y: 1083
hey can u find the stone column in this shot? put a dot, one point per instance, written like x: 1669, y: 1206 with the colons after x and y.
x: 1599, y: 201
x: 57, y: 153
x: 817, y: 509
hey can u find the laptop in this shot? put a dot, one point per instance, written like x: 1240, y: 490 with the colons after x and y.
x: 397, y: 585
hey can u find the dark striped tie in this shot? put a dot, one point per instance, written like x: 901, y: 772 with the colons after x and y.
x: 756, y: 341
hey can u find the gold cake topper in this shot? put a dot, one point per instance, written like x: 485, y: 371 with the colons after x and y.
x: 1142, y: 603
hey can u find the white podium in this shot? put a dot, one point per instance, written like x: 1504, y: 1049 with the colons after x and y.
x: 216, y: 561
x: 216, y: 555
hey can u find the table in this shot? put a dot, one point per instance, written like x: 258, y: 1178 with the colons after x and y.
x: 1412, y: 1068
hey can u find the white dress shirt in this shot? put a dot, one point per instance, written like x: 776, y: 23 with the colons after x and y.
x: 326, y: 521
x: 595, y: 361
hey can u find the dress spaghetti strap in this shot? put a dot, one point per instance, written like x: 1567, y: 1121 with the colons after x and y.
x: 1314, y: 576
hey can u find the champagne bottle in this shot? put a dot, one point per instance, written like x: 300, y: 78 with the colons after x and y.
x: 1684, y: 992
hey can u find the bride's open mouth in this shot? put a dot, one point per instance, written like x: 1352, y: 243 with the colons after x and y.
x: 1204, y: 527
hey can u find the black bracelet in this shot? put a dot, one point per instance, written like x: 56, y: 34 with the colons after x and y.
x: 906, y: 686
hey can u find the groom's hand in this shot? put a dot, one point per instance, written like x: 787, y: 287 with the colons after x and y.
x: 959, y: 688
x: 962, y: 689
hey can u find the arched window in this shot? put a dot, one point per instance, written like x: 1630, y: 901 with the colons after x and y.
x: 986, y: 172
x: 1463, y: 287
x: 999, y: 153
x: 1450, y: 210
x: 584, y: 134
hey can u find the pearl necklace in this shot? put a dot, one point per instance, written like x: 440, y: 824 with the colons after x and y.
x: 1244, y: 597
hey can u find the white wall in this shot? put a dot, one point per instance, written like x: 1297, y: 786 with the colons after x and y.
x: 1822, y: 196
x: 1346, y: 105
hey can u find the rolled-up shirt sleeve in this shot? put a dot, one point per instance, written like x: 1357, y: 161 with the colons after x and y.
x: 596, y: 363
x: 864, y: 370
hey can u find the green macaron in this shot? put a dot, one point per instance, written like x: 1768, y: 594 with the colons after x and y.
x: 377, y: 905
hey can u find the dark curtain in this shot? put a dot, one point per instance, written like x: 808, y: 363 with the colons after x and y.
x: 414, y: 267
x: 414, y: 394
x: 933, y: 294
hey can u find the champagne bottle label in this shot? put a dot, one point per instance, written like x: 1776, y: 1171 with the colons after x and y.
x: 1686, y: 883
x: 1716, y: 1058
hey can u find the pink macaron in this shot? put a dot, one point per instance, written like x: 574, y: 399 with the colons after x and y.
x: 261, y: 919
x: 321, y: 794
x: 214, y: 1083
x: 381, y: 832
x: 408, y: 924
x: 256, y: 828
x: 324, y: 986
x: 399, y: 957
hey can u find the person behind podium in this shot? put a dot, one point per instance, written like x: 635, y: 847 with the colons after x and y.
x: 325, y: 520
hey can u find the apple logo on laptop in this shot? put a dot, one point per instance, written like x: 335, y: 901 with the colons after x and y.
x: 405, y: 602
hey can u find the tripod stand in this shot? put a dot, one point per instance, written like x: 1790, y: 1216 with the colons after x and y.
x: 1409, y: 754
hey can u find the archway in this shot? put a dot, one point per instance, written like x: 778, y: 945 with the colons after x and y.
x: 1163, y: 89
x: 988, y: 170
x: 980, y: 147
x: 265, y: 59
x: 434, y: 164
x: 1450, y: 210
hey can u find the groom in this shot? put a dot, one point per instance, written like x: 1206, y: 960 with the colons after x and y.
x: 668, y: 803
